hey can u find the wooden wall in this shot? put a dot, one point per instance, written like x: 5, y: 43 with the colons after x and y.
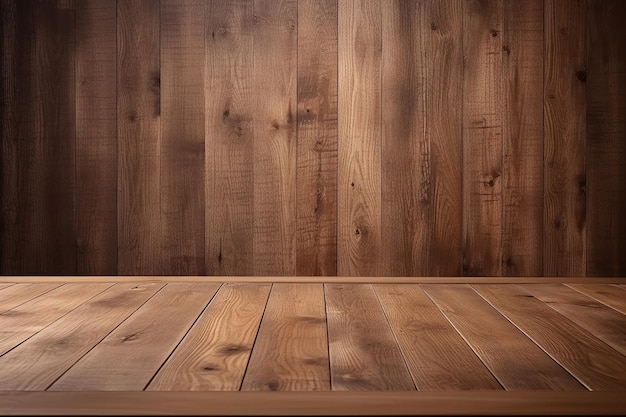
x: 314, y: 137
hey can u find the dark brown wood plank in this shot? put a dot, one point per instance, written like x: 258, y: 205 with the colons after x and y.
x: 590, y: 360
x: 96, y: 137
x: 427, y: 339
x: 19, y: 294
x: 144, y: 341
x: 598, y: 319
x: 182, y: 136
x: 610, y: 295
x: 229, y: 136
x: 405, y: 150
x: 482, y: 137
x: 564, y: 138
x: 522, y: 142
x: 291, y: 348
x: 27, y: 319
x: 37, y: 363
x: 444, y: 121
x: 606, y: 138
x: 38, y: 138
x: 517, y: 362
x: 316, y: 239
x: 139, y: 138
x: 275, y: 109
x: 359, y: 149
x: 364, y: 355
x: 214, y: 354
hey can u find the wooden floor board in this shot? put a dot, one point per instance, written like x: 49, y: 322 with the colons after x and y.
x: 606, y: 294
x: 590, y: 360
x: 515, y: 360
x: 215, y: 352
x: 17, y: 294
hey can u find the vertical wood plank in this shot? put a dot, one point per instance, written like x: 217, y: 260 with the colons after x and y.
x: 405, y: 170
x: 564, y: 138
x: 522, y: 142
x: 606, y: 138
x: 291, y: 348
x: 96, y: 137
x: 316, y: 240
x: 139, y: 138
x: 182, y: 136
x: 359, y: 147
x: 364, y: 355
x: 275, y: 106
x: 482, y: 137
x: 214, y: 354
x: 38, y: 138
x: 229, y: 172
x: 444, y: 123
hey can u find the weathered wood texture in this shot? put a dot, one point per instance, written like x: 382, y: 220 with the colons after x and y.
x: 313, y: 137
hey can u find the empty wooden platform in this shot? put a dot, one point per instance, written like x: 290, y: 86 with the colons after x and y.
x: 179, y: 346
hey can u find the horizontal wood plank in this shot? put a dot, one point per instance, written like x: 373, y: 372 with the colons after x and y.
x: 610, y: 295
x: 15, y: 295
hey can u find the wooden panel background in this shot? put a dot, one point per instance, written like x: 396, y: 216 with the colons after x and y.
x: 313, y: 137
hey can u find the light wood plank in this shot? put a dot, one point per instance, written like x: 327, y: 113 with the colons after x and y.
x: 5, y: 285
x: 275, y: 106
x: 229, y: 137
x: 215, y: 352
x: 482, y: 137
x: 17, y: 294
x: 590, y: 360
x: 522, y: 141
x: 564, y: 138
x: 607, y: 294
x: 25, y: 320
x: 38, y: 362
x: 316, y: 250
x: 601, y: 321
x: 291, y: 349
x: 359, y: 147
x: 314, y: 403
x: 139, y: 138
x: 96, y: 137
x: 427, y: 341
x: 444, y: 123
x: 144, y: 341
x: 515, y: 360
x: 364, y: 355
x: 606, y: 133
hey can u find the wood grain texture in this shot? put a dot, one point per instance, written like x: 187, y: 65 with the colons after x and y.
x: 359, y: 147
x: 38, y: 138
x: 27, y: 319
x: 606, y: 138
x: 364, y: 355
x: 96, y: 137
x: 444, y: 123
x: 275, y: 109
x: 38, y: 362
x: 482, y: 137
x: 139, y: 138
x: 144, y: 341
x: 291, y: 348
x: 182, y: 136
x: 316, y: 216
x: 215, y: 352
x: 522, y: 140
x: 229, y: 137
x: 21, y: 293
x: 610, y: 295
x: 514, y: 360
x: 598, y: 319
x: 405, y: 150
x: 427, y: 338
x: 590, y: 360
x: 564, y: 138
